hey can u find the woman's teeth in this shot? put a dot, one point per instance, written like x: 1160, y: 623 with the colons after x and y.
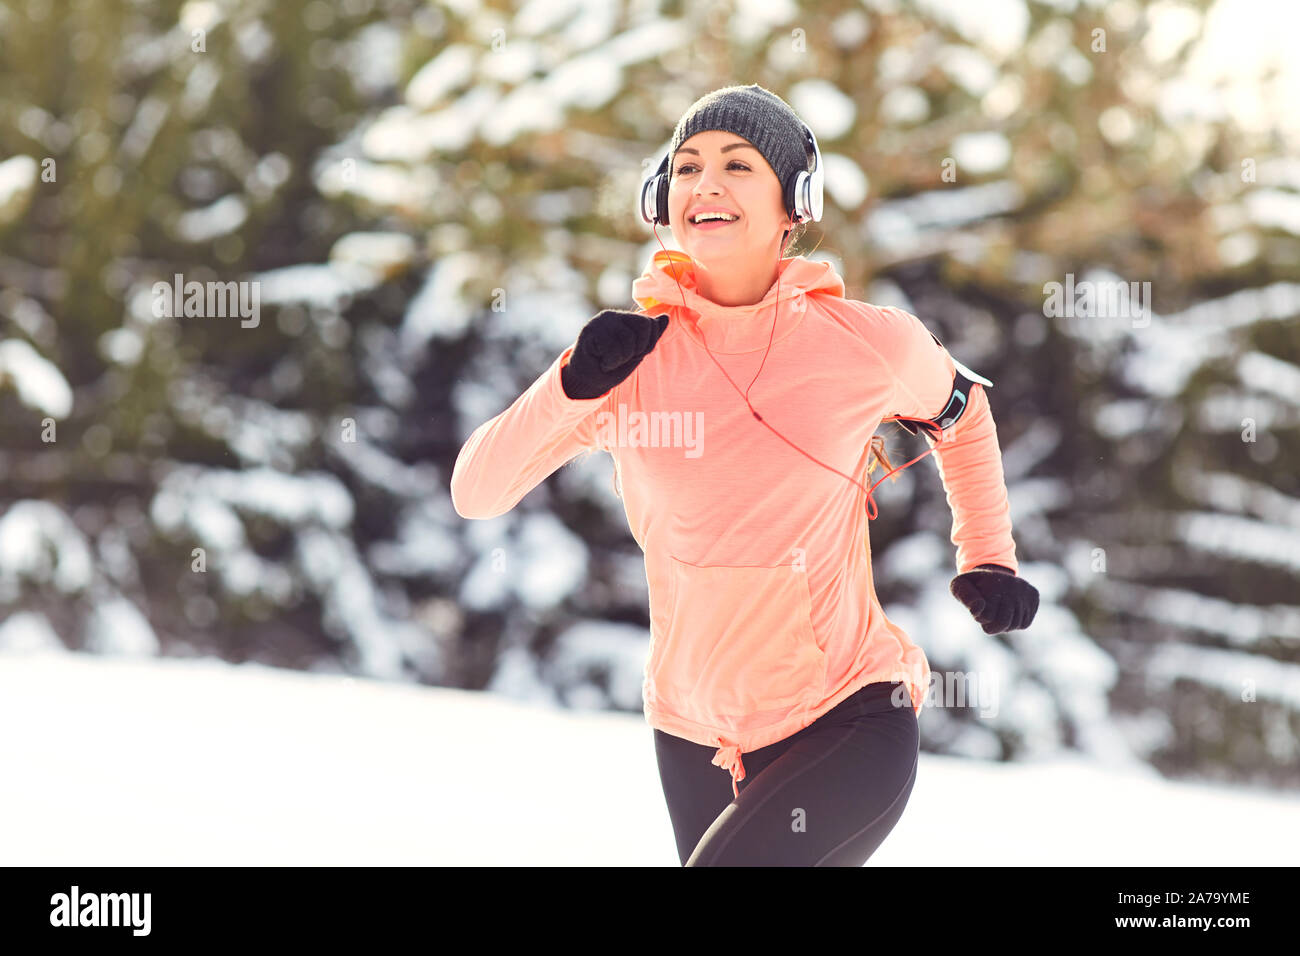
x: 711, y: 221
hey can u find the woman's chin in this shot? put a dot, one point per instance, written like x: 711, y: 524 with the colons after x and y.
x: 703, y: 249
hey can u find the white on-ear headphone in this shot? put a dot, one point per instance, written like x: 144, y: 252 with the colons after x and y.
x: 808, y: 186
x: 804, y: 196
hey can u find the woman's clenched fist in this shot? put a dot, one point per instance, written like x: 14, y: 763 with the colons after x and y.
x: 608, y: 350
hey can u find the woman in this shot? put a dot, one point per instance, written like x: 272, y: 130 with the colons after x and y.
x: 768, y: 642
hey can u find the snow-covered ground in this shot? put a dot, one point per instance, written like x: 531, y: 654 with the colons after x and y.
x: 114, y: 760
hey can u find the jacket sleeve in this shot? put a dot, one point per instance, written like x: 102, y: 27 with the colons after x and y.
x: 509, y: 455
x: 968, y: 455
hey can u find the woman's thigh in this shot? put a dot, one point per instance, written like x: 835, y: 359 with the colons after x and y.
x: 827, y: 795
x: 694, y: 789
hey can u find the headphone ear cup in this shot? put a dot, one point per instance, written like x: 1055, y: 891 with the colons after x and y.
x: 799, y: 197
x: 654, y: 195
x: 815, y: 194
x: 647, y: 213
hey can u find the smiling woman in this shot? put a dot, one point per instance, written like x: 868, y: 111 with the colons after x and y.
x: 774, y: 681
x: 724, y: 180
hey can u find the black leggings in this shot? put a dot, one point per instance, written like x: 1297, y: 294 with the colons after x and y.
x: 827, y: 795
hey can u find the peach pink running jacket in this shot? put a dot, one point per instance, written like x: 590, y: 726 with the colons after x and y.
x: 763, y: 613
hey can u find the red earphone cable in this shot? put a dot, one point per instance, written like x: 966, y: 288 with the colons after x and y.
x: 870, y: 505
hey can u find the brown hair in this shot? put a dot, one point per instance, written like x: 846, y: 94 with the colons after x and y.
x: 879, y: 456
x: 795, y: 235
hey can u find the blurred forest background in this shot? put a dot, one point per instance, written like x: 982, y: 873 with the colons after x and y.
x: 432, y: 199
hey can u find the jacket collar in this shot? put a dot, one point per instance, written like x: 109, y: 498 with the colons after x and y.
x: 737, y: 328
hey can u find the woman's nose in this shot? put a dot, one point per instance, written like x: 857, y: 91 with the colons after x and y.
x: 707, y: 184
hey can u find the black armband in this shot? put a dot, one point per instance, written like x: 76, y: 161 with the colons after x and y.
x: 962, y: 381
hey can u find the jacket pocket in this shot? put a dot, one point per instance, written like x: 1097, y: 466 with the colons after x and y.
x: 738, y: 641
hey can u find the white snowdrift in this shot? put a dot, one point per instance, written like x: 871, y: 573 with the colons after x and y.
x: 138, y: 762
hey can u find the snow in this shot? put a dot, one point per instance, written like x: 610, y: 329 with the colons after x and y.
x: 1022, y: 453
x: 200, y: 83
x: 1281, y: 171
x: 1059, y: 673
x: 251, y: 765
x: 439, y: 308
x: 541, y: 567
x: 967, y: 67
x: 755, y: 21
x: 504, y: 100
x: 1053, y: 46
x: 123, y: 346
x: 321, y: 285
x: 256, y: 431
x: 557, y: 205
x: 824, y: 107
x: 1240, y: 42
x: 220, y: 218
x: 543, y: 17
x: 1172, y: 25
x: 256, y: 42
x: 1121, y: 417
x: 353, y: 607
x: 1270, y: 373
x: 26, y: 632
x: 649, y: 41
x: 596, y: 20
x: 885, y: 292
x: 39, y: 541
x: 449, y: 70
x: 386, y: 185
x: 526, y: 59
x: 1274, y: 209
x: 850, y: 29
x: 18, y: 177
x: 846, y: 184
x: 201, y: 15
x: 548, y: 312
x: 402, y: 134
x: 423, y: 546
x: 117, y: 627
x: 1000, y: 26
x: 296, y: 499
x: 215, y: 524
x: 903, y: 105
x: 263, y: 434
x: 616, y: 650
x: 981, y: 153
x: 38, y: 382
x: 1226, y: 536
x: 1243, y: 625
x: 384, y: 253
x: 1036, y: 496
x: 552, y: 559
x: 1226, y: 492
x: 1235, y: 673
x: 1173, y: 346
x: 587, y: 81
x: 899, y: 225
x: 376, y: 467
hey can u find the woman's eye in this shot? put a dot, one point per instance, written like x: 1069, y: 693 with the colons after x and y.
x: 734, y: 162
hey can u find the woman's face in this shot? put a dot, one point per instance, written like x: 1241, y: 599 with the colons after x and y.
x: 715, y: 169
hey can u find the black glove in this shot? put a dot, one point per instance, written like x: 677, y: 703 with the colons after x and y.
x: 608, y: 350
x: 996, y: 597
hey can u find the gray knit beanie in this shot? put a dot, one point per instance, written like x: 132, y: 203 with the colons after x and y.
x: 761, y: 117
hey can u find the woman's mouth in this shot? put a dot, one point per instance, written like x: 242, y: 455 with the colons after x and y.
x: 711, y: 222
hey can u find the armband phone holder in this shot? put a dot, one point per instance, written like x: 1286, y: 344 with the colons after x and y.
x: 952, y: 411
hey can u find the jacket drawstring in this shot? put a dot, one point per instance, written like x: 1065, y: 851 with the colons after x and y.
x: 728, y: 758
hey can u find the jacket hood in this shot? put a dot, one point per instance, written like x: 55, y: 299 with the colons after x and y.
x: 736, y: 328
